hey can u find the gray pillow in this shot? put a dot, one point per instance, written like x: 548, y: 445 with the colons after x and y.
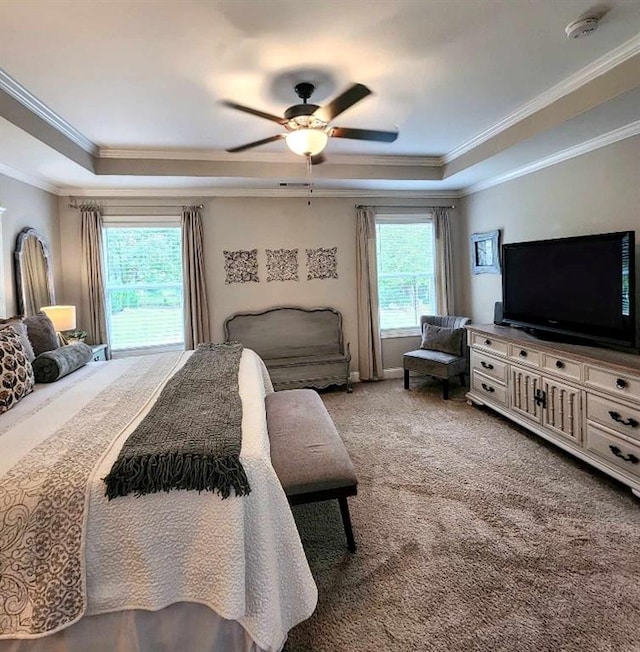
x: 52, y: 365
x: 439, y: 338
x: 42, y: 333
x: 21, y: 329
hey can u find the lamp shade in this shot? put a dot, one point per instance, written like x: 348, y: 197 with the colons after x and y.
x: 63, y: 317
x: 307, y: 142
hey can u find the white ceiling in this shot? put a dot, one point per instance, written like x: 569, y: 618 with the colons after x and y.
x: 146, y: 77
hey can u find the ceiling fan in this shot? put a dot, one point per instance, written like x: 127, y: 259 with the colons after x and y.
x: 307, y: 125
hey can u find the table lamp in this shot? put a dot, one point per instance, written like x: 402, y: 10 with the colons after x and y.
x: 63, y: 318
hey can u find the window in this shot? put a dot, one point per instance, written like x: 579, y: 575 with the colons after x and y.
x: 406, y: 271
x: 143, y: 267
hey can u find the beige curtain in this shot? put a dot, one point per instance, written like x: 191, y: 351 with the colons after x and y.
x: 444, y: 261
x: 196, y: 310
x: 93, y: 275
x: 369, y: 344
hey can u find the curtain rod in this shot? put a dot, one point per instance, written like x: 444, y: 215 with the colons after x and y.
x: 401, y: 207
x: 74, y: 204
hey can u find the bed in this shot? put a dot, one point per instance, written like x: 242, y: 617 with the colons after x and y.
x: 164, y: 571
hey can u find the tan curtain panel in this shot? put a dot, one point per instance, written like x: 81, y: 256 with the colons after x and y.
x: 93, y: 275
x: 444, y: 261
x: 196, y: 310
x: 369, y: 344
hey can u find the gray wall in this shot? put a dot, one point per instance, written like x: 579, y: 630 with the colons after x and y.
x: 598, y: 192
x: 26, y: 206
x: 273, y: 223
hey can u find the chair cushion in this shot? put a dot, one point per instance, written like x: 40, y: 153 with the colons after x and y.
x: 439, y: 338
x: 434, y: 363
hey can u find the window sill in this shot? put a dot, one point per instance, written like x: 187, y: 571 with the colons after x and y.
x: 400, y: 332
x: 146, y: 350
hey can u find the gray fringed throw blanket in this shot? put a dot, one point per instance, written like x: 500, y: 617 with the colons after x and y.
x: 191, y: 437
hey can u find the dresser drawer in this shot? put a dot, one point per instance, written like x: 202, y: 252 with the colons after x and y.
x: 525, y: 355
x: 489, y: 343
x: 562, y: 367
x: 489, y: 365
x: 614, y: 450
x: 489, y: 388
x: 620, y: 384
x: 614, y: 415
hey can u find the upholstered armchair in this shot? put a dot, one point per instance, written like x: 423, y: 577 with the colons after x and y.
x: 442, y: 353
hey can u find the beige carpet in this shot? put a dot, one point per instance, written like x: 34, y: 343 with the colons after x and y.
x: 473, y: 535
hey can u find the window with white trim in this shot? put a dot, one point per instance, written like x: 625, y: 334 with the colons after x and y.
x: 144, y: 290
x: 406, y: 272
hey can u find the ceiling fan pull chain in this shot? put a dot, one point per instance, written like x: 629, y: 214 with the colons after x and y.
x: 309, y: 180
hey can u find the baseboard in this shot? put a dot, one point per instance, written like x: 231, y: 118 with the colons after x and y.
x: 396, y: 372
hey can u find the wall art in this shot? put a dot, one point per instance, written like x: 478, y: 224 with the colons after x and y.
x: 282, y: 265
x: 241, y: 266
x: 322, y: 263
x: 485, y: 252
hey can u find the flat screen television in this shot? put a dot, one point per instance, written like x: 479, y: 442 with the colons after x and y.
x: 578, y: 289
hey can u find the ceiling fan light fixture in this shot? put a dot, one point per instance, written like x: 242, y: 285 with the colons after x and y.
x: 307, y: 142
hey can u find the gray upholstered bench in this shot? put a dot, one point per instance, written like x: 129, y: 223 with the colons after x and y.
x: 307, y: 452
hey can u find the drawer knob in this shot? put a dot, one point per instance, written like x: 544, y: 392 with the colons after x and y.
x: 559, y: 364
x: 523, y: 354
x: 625, y: 422
x: 486, y: 365
x: 621, y: 383
x: 488, y: 388
x: 627, y: 458
x: 487, y: 342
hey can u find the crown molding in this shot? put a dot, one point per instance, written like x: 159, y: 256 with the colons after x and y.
x: 30, y: 179
x: 632, y: 129
x: 31, y: 102
x: 598, y: 67
x: 262, y: 157
x: 337, y: 193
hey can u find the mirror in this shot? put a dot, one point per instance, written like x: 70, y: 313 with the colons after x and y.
x: 34, y: 273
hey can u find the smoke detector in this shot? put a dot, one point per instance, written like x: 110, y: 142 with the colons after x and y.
x: 582, y: 27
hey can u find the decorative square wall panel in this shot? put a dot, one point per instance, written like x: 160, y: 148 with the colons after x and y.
x: 282, y: 265
x: 241, y: 266
x: 322, y: 263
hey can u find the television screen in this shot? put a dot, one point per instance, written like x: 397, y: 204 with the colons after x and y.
x: 582, y: 286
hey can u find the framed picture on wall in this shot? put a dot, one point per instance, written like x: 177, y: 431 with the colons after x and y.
x: 485, y: 252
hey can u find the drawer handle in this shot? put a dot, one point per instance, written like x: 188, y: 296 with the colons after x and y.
x: 621, y: 383
x: 625, y: 422
x: 523, y: 354
x: 559, y: 364
x: 486, y: 365
x: 488, y: 388
x: 487, y: 342
x: 627, y: 458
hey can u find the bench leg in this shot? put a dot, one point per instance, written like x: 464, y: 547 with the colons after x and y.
x: 445, y: 389
x: 462, y: 381
x: 346, y: 521
x: 406, y: 379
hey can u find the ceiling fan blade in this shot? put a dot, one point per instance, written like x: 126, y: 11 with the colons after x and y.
x: 317, y: 159
x: 344, y: 101
x: 364, y: 134
x: 256, y: 143
x: 260, y: 114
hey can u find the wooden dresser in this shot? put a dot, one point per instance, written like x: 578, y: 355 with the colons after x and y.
x: 584, y: 399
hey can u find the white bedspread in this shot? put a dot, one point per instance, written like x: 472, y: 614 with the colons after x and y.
x: 242, y: 557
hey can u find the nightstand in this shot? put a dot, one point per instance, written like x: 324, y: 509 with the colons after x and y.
x: 99, y: 352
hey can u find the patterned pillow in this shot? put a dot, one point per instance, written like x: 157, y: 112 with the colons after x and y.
x: 21, y: 328
x: 42, y: 333
x: 17, y: 372
x: 439, y: 338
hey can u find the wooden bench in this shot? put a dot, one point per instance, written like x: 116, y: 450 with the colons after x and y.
x: 302, y: 347
x: 308, y: 454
